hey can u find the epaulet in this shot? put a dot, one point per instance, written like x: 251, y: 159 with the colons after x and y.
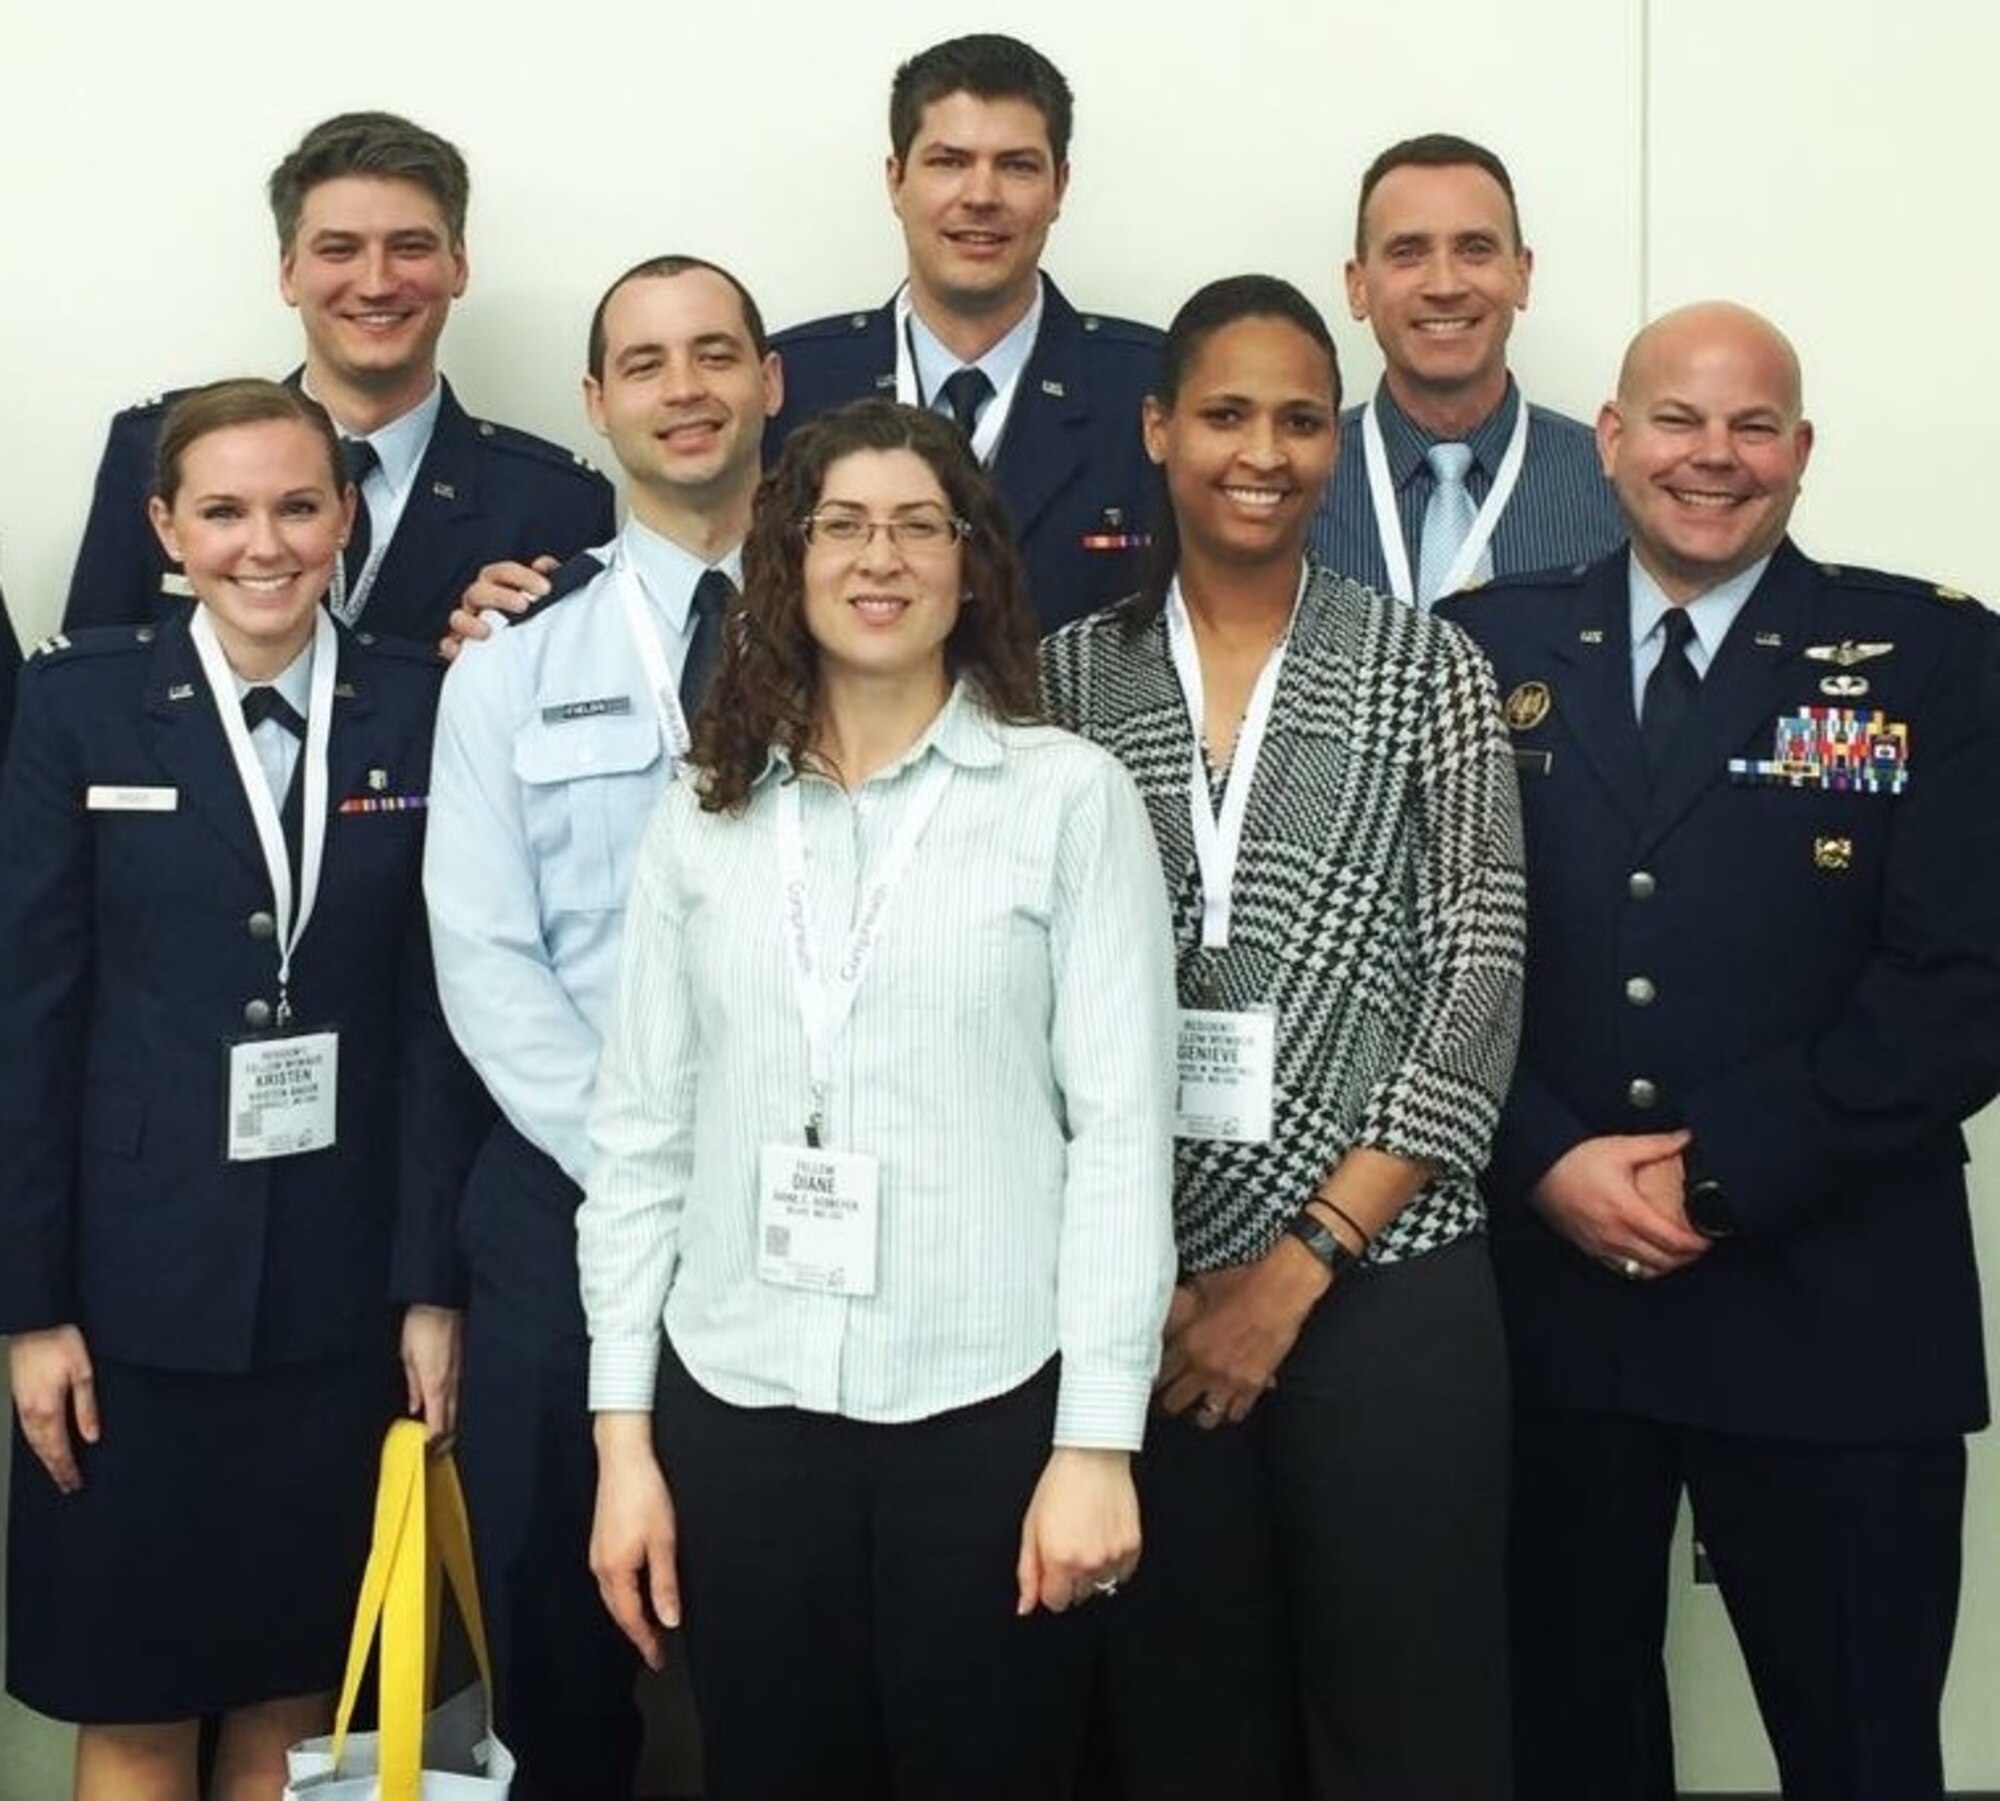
x: 1880, y: 581
x: 1107, y: 329
x: 1567, y: 577
x: 153, y: 405
x: 400, y: 650
x: 515, y: 442
x: 94, y: 641
x: 834, y: 325
x: 579, y: 572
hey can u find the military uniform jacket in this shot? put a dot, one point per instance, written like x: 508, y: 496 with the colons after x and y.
x: 483, y: 493
x: 1792, y: 946
x: 1071, y: 465
x: 139, y: 940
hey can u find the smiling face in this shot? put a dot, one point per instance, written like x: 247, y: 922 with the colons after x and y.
x: 883, y: 609
x: 977, y: 193
x: 1705, y: 445
x: 373, y: 272
x: 1248, y: 442
x: 683, y: 396
x: 1439, y: 280
x: 257, y: 521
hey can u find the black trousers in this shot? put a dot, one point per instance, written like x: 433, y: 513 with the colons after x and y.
x: 1320, y: 1609
x: 1839, y: 1565
x: 563, y: 1671
x: 848, y: 1595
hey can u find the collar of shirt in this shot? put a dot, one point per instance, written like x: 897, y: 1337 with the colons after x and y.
x: 1406, y: 440
x: 669, y: 573
x: 1711, y: 614
x: 294, y: 682
x: 399, y: 445
x: 277, y: 750
x: 961, y: 733
x: 936, y: 364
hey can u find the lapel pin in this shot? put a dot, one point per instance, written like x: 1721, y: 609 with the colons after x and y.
x: 343, y: 690
x: 1528, y: 706
x: 1844, y: 687
x: 378, y: 780
x: 1054, y: 389
x: 181, y: 691
x: 1847, y: 653
x: 1833, y: 853
x: 883, y: 383
x: 1590, y: 635
x: 1772, y: 641
x: 444, y: 490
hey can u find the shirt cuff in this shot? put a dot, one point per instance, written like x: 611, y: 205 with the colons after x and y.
x: 622, y: 1373
x: 1102, y: 1411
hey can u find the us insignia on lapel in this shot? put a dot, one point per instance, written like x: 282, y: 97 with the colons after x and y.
x: 1590, y: 635
x: 444, y: 491
x: 1528, y: 706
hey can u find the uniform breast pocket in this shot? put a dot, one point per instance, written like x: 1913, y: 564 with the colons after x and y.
x: 587, y: 790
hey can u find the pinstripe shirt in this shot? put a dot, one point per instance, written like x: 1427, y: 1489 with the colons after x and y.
x: 1562, y: 511
x: 1009, y: 1062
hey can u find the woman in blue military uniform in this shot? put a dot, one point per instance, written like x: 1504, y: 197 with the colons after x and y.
x: 230, y: 1122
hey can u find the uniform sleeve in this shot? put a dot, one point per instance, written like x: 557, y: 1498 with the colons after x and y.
x: 1915, y: 1050
x: 641, y: 1129
x: 1440, y: 1103
x: 120, y: 562
x: 1112, y: 1047
x: 47, y: 921
x: 507, y: 1006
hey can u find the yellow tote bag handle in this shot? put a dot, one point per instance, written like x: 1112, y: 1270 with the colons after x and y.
x: 420, y: 1528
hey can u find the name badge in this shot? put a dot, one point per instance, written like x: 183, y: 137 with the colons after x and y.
x: 281, y: 1096
x: 817, y: 1218
x: 1228, y: 1070
x: 130, y: 800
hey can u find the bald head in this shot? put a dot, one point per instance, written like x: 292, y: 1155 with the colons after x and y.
x: 1705, y: 444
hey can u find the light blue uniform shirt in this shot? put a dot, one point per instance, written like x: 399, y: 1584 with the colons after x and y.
x: 936, y: 365
x: 1008, y: 1063
x: 1711, y: 615
x: 277, y: 750
x: 549, y: 760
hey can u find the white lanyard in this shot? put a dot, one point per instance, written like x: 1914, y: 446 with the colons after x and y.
x: 1218, y: 838
x: 257, y: 790
x: 639, y: 621
x: 909, y: 390
x: 826, y: 998
x: 1389, y: 527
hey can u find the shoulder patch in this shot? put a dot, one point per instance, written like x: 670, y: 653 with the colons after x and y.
x: 515, y: 442
x: 97, y: 641
x: 1881, y: 581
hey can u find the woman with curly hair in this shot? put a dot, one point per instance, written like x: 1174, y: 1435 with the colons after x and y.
x: 877, y: 1243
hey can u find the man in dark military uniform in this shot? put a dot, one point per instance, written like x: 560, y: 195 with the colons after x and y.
x: 979, y: 160
x: 1728, y: 1193
x: 370, y: 211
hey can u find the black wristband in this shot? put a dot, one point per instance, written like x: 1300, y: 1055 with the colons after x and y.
x: 1311, y: 1233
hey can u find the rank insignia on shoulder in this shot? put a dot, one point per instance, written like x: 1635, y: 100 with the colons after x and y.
x: 1528, y: 706
x: 1847, y: 653
x: 566, y: 711
x: 1844, y: 686
x: 1833, y: 853
x: 1947, y: 593
x: 1840, y: 749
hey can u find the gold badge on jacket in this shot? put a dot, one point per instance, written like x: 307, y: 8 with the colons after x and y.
x: 1833, y: 853
x: 1528, y: 706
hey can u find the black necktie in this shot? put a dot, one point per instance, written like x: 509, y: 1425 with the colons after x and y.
x: 712, y: 595
x: 357, y: 458
x: 966, y: 392
x: 1671, y: 691
x: 260, y: 704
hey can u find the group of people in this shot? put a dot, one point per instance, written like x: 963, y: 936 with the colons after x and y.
x: 916, y: 1054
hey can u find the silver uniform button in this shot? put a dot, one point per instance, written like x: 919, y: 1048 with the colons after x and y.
x: 1640, y: 885
x: 261, y: 925
x: 1640, y: 991
x: 256, y: 1014
x: 1640, y: 1092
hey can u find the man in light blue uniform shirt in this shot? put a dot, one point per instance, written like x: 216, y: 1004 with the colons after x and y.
x: 1448, y: 475
x: 556, y: 736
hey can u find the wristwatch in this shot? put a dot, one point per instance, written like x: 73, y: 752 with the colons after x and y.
x: 1311, y: 1233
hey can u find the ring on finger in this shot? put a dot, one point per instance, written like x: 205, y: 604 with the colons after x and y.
x: 1631, y: 1268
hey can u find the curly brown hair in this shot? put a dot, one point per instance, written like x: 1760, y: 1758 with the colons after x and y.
x: 766, y: 688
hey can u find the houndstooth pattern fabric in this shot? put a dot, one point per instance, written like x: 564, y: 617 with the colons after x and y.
x: 1379, y: 902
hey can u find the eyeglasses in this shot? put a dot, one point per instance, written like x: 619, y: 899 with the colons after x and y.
x: 912, y: 533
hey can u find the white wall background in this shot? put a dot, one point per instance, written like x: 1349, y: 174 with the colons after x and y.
x: 1828, y: 162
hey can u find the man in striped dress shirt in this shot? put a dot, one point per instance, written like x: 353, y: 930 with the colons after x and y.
x: 1449, y: 475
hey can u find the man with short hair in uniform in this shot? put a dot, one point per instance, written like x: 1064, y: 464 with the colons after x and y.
x: 370, y: 211
x: 1728, y: 1194
x: 1449, y: 475
x: 555, y: 738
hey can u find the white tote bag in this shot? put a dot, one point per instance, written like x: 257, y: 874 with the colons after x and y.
x: 420, y: 1753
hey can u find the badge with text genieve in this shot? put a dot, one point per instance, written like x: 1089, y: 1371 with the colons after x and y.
x: 281, y: 1095
x: 817, y: 1216
x: 1228, y: 1069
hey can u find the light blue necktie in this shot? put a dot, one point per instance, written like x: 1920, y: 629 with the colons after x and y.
x: 1447, y: 518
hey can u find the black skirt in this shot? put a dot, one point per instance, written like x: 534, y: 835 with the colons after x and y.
x: 214, y: 1554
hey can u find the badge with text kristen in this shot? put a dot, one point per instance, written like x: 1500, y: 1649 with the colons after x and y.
x: 818, y: 1214
x: 282, y: 1094
x: 1228, y: 1075
x: 1841, y: 749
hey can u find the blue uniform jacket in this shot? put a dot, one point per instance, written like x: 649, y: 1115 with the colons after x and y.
x: 1071, y: 466
x: 10, y: 672
x: 483, y: 493
x: 136, y: 939
x: 1806, y: 975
